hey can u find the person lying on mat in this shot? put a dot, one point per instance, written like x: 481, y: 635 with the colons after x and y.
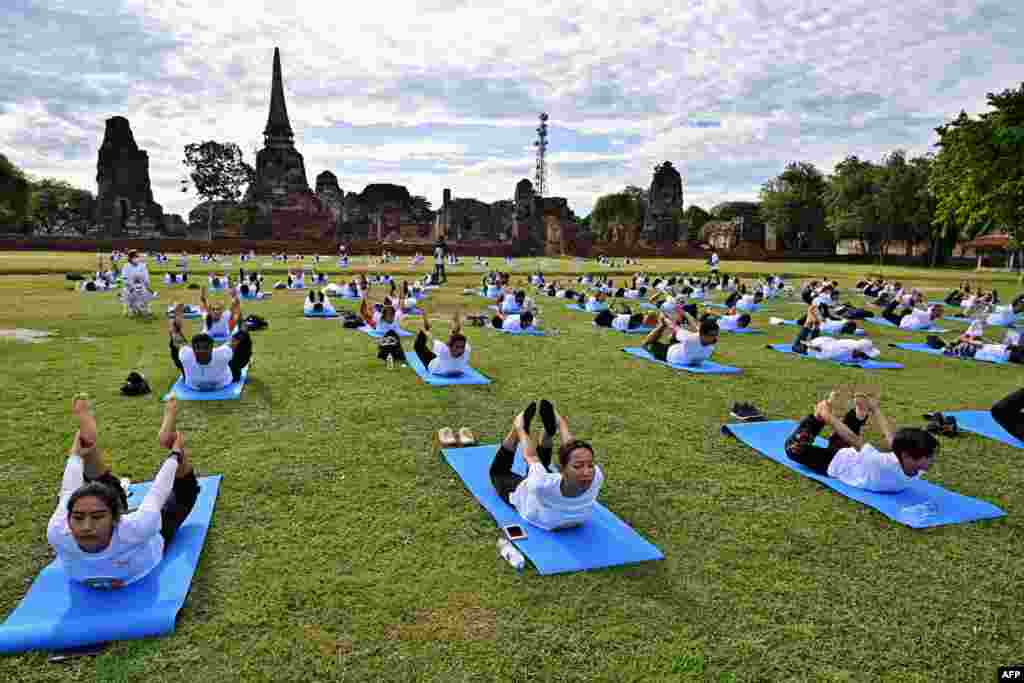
x: 1006, y: 315
x: 445, y: 359
x: 514, y: 322
x: 840, y: 350
x: 623, y: 320
x: 315, y: 303
x: 731, y: 321
x: 850, y: 459
x: 204, y: 367
x: 912, y: 318
x: 381, y: 317
x: 820, y: 320
x: 684, y: 347
x: 98, y: 542
x: 971, y: 344
x: 545, y: 499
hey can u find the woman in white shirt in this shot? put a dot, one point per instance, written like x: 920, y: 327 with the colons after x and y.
x: 544, y: 499
x: 96, y: 540
x: 853, y: 461
x: 381, y: 317
x: 446, y: 359
x: 204, y: 367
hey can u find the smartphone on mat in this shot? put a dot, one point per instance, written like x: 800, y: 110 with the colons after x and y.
x: 514, y: 532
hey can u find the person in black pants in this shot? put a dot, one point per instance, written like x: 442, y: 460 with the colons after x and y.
x: 1007, y: 413
x: 800, y: 446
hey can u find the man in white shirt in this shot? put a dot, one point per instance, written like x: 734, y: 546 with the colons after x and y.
x: 850, y: 459
x: 913, y: 318
x: 515, y: 322
x: 203, y: 366
x: 544, y: 499
x: 692, y: 342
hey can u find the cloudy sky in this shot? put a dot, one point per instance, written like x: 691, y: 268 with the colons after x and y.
x: 446, y: 93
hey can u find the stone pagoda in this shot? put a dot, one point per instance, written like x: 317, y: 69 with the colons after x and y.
x: 287, y: 207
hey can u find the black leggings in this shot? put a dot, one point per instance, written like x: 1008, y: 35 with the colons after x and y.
x: 1007, y: 413
x: 506, y: 481
x: 659, y: 349
x: 420, y: 347
x: 890, y: 313
x: 800, y: 444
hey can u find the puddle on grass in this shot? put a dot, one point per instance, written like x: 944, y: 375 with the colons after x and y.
x: 23, y: 334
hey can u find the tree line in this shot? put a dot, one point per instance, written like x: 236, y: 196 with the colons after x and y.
x: 972, y: 185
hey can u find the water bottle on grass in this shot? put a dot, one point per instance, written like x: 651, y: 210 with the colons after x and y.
x: 511, y: 555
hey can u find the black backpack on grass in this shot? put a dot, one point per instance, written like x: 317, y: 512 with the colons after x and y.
x: 254, y: 323
x: 351, y: 320
x: 135, y: 385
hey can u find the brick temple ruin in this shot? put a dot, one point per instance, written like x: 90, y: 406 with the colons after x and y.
x: 282, y: 207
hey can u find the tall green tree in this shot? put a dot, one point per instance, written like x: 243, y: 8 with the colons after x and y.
x: 978, y: 175
x: 851, y: 207
x: 793, y: 203
x: 695, y: 217
x: 217, y: 172
x: 57, y: 205
x: 621, y: 208
x: 15, y: 194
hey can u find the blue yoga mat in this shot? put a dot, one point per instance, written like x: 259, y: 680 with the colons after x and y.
x: 981, y: 422
x: 793, y: 323
x: 885, y: 323
x: 637, y: 330
x: 58, y: 614
x: 706, y: 368
x: 924, y: 348
x: 603, y: 541
x: 471, y: 376
x: 921, y: 505
x: 526, y: 333
x: 320, y: 314
x: 650, y: 307
x: 866, y: 364
x: 366, y: 329
x: 231, y: 392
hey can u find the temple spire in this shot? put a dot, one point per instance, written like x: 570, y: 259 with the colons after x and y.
x: 278, y: 129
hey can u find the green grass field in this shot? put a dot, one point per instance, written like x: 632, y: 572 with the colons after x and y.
x: 343, y: 547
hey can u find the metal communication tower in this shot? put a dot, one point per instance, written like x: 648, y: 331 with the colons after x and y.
x: 540, y: 175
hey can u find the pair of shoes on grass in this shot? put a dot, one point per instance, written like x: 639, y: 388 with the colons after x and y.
x: 450, y: 439
x: 746, y: 412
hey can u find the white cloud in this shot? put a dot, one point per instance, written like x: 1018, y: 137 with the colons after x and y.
x: 815, y: 81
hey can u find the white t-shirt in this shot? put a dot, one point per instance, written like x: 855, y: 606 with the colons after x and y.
x: 621, y: 322
x: 818, y: 300
x: 131, y: 272
x: 688, y: 350
x: 539, y: 499
x: 746, y: 303
x: 214, y: 375
x: 136, y: 546
x: 869, y: 469
x: 514, y: 323
x: 918, y: 319
x: 631, y: 294
x: 445, y: 363
x: 827, y: 348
